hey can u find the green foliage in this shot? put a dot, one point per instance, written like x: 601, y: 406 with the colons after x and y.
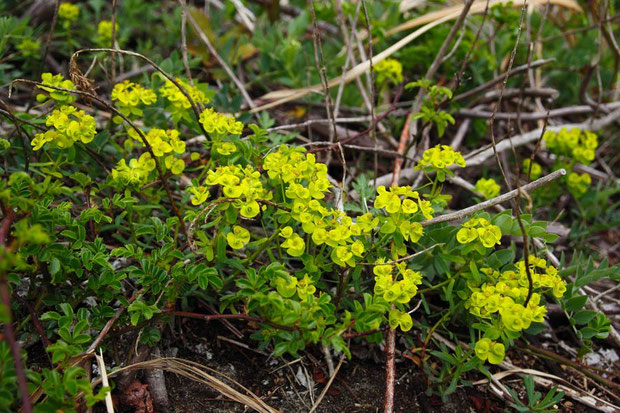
x: 120, y: 219
x: 534, y: 403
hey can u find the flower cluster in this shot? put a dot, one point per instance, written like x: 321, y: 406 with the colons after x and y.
x: 500, y: 299
x: 393, y: 291
x: 218, y: 123
x: 58, y: 96
x: 29, y: 47
x: 536, y: 170
x: 225, y: 148
x: 488, y: 188
x: 104, y: 32
x: 390, y: 200
x: 178, y: 101
x: 578, y: 184
x: 479, y: 229
x: 128, y: 96
x: 294, y: 244
x: 575, y: 143
x: 305, y: 179
x: 486, y: 349
x: 396, y: 291
x: 161, y: 141
x: 68, y: 13
x: 388, y: 70
x: 243, y: 185
x: 506, y: 293
x: 440, y: 157
x: 70, y: 126
x: 136, y: 173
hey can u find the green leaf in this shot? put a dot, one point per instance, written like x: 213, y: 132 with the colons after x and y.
x: 575, y: 303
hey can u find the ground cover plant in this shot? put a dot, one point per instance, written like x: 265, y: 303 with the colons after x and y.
x: 309, y: 206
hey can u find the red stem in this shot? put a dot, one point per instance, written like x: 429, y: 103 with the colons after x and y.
x: 9, y: 334
x: 209, y: 317
x: 390, y: 371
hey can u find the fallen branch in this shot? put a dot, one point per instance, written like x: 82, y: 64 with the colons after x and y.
x: 494, y: 201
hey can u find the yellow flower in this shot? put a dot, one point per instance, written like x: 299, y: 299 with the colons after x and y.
x: 104, y: 31
x: 388, y: 70
x: 238, y: 237
x: 225, y: 148
x: 294, y: 245
x: 487, y: 349
x: 440, y: 157
x: 179, y: 103
x: 214, y: 122
x: 200, y: 194
x: 578, y: 184
x: 70, y: 126
x: 68, y: 12
x: 488, y: 188
x: 58, y: 96
x: 466, y: 235
x: 536, y: 169
x: 490, y: 235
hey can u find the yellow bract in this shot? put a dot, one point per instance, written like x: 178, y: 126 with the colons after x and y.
x: 238, y: 237
x: 479, y: 229
x: 68, y: 12
x: 440, y: 157
x: 179, y: 102
x: 575, y: 143
x: 70, y: 126
x: 488, y: 349
x: 58, y: 96
x: 136, y: 173
x: 578, y: 184
x: 488, y: 188
x: 214, y: 122
x: 128, y: 96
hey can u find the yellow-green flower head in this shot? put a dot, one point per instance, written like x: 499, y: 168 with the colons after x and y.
x: 178, y: 101
x: 104, y: 32
x: 238, y: 237
x: 29, y: 47
x: 175, y: 165
x: 488, y: 188
x: 220, y: 124
x: 70, y: 126
x: 578, y: 184
x: 479, y: 229
x: 305, y: 177
x: 400, y: 318
x: 128, y: 96
x: 575, y: 143
x: 199, y: 194
x: 295, y: 245
x: 536, y: 169
x: 388, y: 70
x: 136, y: 173
x: 58, y: 96
x: 161, y: 141
x: 492, y: 351
x: 440, y: 157
x: 68, y: 12
x: 225, y: 148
